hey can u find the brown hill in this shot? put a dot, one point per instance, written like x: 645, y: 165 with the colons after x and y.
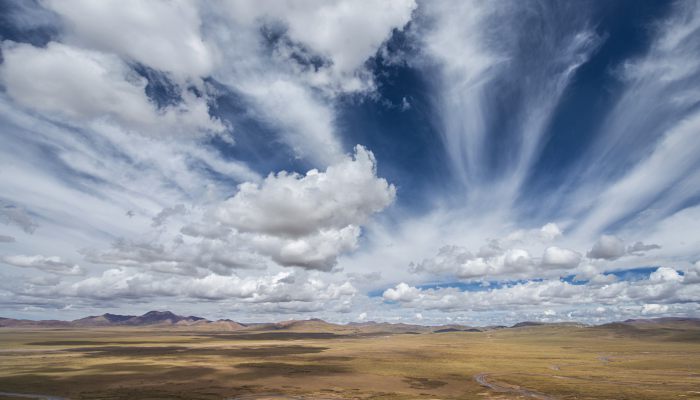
x: 25, y: 323
x: 668, y: 326
x: 151, y: 318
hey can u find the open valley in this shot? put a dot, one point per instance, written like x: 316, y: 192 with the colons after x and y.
x: 317, y: 360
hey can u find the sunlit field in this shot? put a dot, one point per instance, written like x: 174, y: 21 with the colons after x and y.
x: 317, y: 361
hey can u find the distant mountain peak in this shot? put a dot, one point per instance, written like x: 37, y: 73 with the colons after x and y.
x: 116, y: 317
x: 160, y: 314
x: 527, y: 323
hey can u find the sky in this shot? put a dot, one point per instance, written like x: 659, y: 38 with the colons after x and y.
x: 412, y: 161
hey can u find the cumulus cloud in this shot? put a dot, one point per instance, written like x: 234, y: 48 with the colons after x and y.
x: 545, y: 234
x: 648, y: 309
x: 53, y: 265
x: 503, y: 258
x: 292, y: 205
x: 550, y: 231
x: 89, y: 86
x: 290, y: 219
x: 664, y: 286
x: 454, y: 260
x: 607, y: 247
x: 318, y: 54
x: 129, y: 283
x: 192, y: 258
x: 665, y: 274
x: 309, y: 220
x: 314, y: 251
x: 593, y: 275
x: 165, y: 35
x: 692, y: 273
x: 402, y: 292
x: 560, y: 258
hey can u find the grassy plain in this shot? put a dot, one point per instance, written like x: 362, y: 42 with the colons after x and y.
x: 546, y: 362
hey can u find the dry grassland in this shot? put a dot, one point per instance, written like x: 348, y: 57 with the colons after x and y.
x: 546, y: 362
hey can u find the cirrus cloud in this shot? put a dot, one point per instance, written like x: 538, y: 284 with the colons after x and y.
x: 52, y: 264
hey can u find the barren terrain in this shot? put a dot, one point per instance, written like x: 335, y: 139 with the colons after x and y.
x: 315, y: 360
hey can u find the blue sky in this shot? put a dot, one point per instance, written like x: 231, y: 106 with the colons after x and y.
x: 402, y: 161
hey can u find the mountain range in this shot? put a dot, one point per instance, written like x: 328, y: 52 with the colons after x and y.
x: 151, y: 318
x: 168, y: 319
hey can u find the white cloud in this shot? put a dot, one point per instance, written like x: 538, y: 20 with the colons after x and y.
x: 558, y: 257
x: 189, y: 41
x: 593, y: 275
x: 293, y: 220
x: 50, y: 169
x: 314, y: 251
x: 646, y: 147
x: 402, y: 292
x: 188, y: 258
x: 550, y: 231
x: 107, y: 150
x: 129, y: 283
x: 292, y: 205
x: 608, y: 247
x: 506, y: 258
x: 665, y: 274
x: 340, y: 31
x: 654, y: 309
x: 671, y: 160
x: 308, y: 220
x: 664, y: 286
x: 478, y: 44
x: 47, y: 264
x: 692, y: 273
x: 81, y: 85
x: 454, y: 260
x: 164, y: 35
x: 306, y: 121
x: 545, y: 234
x: 290, y: 61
